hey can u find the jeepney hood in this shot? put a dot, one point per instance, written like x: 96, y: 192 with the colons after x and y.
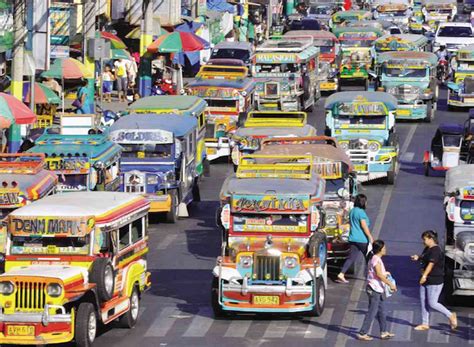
x: 65, y: 273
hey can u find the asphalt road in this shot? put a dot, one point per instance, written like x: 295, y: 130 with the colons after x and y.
x: 177, y: 311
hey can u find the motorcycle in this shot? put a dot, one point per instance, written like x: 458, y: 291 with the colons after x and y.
x: 108, y: 117
x: 442, y: 70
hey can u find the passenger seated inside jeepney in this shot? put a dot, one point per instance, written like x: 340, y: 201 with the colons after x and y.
x: 146, y: 150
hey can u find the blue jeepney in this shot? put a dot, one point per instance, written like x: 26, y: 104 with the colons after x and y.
x: 461, y: 89
x: 159, y: 160
x: 82, y: 162
x: 363, y: 123
x: 400, y: 43
x: 411, y: 78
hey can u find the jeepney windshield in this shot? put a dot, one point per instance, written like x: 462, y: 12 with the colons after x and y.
x: 228, y: 53
x: 467, y: 210
x: 446, y: 11
x: 333, y: 185
x: 221, y: 103
x: 405, y: 72
x: 270, y: 223
x: 49, y: 245
x: 360, y: 121
x: 452, y: 141
x: 321, y: 9
x: 276, y: 68
x: 357, y: 42
x: 147, y: 150
x: 72, y: 182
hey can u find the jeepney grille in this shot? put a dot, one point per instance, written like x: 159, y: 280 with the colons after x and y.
x: 30, y: 296
x: 134, y: 183
x: 267, y: 268
x: 359, y: 156
x: 358, y: 144
x: 407, y: 93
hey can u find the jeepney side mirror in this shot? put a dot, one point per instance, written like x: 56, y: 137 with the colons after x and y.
x: 373, y: 74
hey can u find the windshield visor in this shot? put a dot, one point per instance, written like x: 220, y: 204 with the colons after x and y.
x: 50, y: 245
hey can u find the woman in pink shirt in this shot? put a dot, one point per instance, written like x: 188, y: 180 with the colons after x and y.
x: 376, y: 282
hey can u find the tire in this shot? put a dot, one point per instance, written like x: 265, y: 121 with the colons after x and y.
x: 429, y: 112
x: 172, y: 214
x: 327, y: 131
x: 391, y: 177
x: 102, y: 274
x: 317, y: 247
x: 448, y: 287
x: 206, y: 168
x: 427, y: 169
x: 319, y: 297
x: 449, y: 231
x: 196, y: 192
x: 216, y: 307
x: 85, y: 325
x: 129, y: 319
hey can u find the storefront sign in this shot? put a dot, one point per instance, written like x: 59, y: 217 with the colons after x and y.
x: 51, y: 226
x: 60, y: 19
x: 269, y: 203
x: 141, y: 136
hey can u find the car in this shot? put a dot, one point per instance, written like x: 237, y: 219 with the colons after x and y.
x: 234, y: 50
x: 453, y: 36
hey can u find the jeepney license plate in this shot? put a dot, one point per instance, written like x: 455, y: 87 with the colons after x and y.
x: 211, y: 150
x: 327, y: 85
x: 403, y: 112
x: 360, y: 167
x: 20, y: 330
x: 266, y: 300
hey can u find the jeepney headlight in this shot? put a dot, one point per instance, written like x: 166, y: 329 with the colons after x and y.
x: 244, y: 93
x: 246, y: 261
x: 99, y: 165
x: 374, y: 146
x: 290, y: 262
x: 54, y: 290
x: 331, y: 220
x: 344, y: 145
x: 152, y: 179
x: 6, y: 288
x: 392, y: 90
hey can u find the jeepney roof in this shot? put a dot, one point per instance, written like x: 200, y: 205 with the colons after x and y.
x: 348, y: 97
x: 352, y: 13
x: 83, y: 204
x: 439, y: 2
x: 355, y: 29
x: 40, y: 182
x: 459, y: 177
x: 451, y: 129
x: 429, y: 57
x: 298, y: 131
x: 176, y: 124
x: 377, y: 3
x: 182, y: 104
x: 95, y: 147
x: 234, y: 45
x: 285, y: 45
x: 246, y: 84
x: 414, y: 38
x: 316, y: 34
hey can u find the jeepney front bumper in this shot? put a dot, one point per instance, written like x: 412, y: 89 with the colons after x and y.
x: 217, y: 148
x: 287, y: 102
x: 37, y: 328
x: 329, y: 85
x: 372, y: 165
x: 159, y: 203
x: 412, y: 111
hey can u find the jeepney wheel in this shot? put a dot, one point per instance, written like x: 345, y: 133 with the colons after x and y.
x: 216, y: 307
x: 85, y: 325
x: 102, y: 274
x: 206, y: 168
x: 427, y: 169
x: 319, y: 297
x: 448, y: 287
x: 129, y: 319
x: 449, y: 231
x: 391, y: 174
x: 317, y: 247
x: 196, y: 192
x: 429, y: 112
x: 172, y: 214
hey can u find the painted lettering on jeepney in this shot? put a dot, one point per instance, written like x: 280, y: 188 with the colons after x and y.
x: 276, y: 58
x: 141, y: 136
x: 9, y: 198
x: 67, y: 164
x: 207, y: 92
x: 49, y: 226
x: 360, y: 106
x: 358, y: 36
x: 269, y: 203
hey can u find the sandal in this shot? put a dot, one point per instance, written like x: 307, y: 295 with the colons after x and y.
x: 387, y: 335
x: 422, y: 327
x: 364, y: 337
x: 453, y: 320
x: 341, y: 279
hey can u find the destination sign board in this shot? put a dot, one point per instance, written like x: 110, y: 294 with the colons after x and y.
x: 141, y: 136
x: 50, y: 226
x: 270, y: 203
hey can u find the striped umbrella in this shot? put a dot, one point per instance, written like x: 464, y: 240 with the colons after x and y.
x: 176, y: 42
x: 68, y: 69
x: 115, y: 41
x: 13, y: 111
x: 120, y: 54
x: 43, y: 95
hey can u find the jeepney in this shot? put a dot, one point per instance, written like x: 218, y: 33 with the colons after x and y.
x: 82, y: 162
x: 400, y: 43
x: 356, y: 44
x: 364, y: 125
x: 322, y: 11
x: 186, y: 105
x: 396, y: 12
x: 24, y: 180
x: 331, y: 163
x: 438, y: 11
x: 267, y: 124
x: 159, y: 160
x: 341, y: 18
x: 240, y: 50
x: 329, y: 58
x: 72, y: 261
x: 228, y: 102
x: 286, y: 75
x: 459, y: 247
x: 461, y: 89
x: 417, y: 20
x: 411, y: 78
x: 273, y: 257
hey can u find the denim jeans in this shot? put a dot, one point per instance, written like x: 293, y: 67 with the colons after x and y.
x: 429, y: 296
x: 376, y: 309
x: 356, y: 248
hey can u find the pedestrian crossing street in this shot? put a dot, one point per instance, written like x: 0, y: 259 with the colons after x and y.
x: 173, y: 322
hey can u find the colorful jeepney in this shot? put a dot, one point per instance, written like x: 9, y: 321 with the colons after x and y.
x: 411, y: 78
x: 364, y: 125
x: 356, y: 44
x: 228, y: 102
x: 438, y: 11
x: 73, y: 261
x: 400, y: 43
x: 273, y: 255
x: 341, y: 18
x: 331, y: 163
x: 159, y: 160
x: 24, y: 180
x: 329, y: 58
x: 461, y: 89
x: 396, y: 12
x: 186, y: 105
x: 267, y: 124
x: 82, y: 162
x: 322, y: 11
x: 286, y: 74
x: 416, y: 21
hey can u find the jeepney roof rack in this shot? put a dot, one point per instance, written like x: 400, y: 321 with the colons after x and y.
x: 21, y: 163
x: 309, y: 140
x: 275, y: 119
x: 222, y: 72
x: 282, y: 166
x: 286, y: 45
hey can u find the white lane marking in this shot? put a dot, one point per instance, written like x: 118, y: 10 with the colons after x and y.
x: 201, y: 323
x: 401, y: 326
x: 277, y: 329
x: 439, y: 332
x: 407, y: 157
x: 238, y: 328
x: 318, y: 326
x: 166, y: 242
x: 470, y: 328
x: 357, y: 289
x: 163, y: 322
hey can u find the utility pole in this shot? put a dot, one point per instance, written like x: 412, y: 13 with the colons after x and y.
x: 88, y: 32
x: 19, y: 32
x: 146, y: 38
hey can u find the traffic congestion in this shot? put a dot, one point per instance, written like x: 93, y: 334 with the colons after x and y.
x: 307, y: 174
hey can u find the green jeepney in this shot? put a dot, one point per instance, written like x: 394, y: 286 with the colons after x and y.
x: 461, y: 89
x: 341, y: 18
